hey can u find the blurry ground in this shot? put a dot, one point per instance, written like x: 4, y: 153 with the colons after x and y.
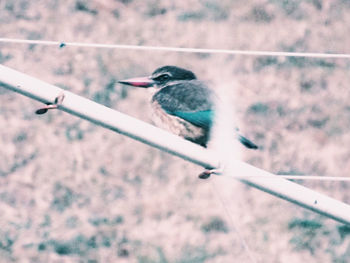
x: 74, y: 192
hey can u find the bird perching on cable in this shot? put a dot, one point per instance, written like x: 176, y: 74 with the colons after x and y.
x: 182, y: 104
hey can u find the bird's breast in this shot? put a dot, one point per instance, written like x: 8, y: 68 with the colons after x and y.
x: 177, y: 125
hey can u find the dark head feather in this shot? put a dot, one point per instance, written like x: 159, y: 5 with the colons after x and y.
x: 168, y: 74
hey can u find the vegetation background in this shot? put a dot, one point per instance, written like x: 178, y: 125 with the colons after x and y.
x: 71, y: 191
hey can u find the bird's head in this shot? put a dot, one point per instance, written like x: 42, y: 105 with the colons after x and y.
x: 161, y: 77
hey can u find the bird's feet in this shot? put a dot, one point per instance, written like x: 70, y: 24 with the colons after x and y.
x: 208, y: 172
x: 58, y: 101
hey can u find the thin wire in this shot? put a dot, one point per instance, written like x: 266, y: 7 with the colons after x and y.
x: 294, y: 177
x: 62, y: 44
x: 233, y: 225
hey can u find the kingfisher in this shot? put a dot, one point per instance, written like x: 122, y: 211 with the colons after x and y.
x: 182, y: 104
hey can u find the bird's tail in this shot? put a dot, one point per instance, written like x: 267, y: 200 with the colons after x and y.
x: 247, y: 143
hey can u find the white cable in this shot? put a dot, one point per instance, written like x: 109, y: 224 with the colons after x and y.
x: 295, y: 177
x: 62, y: 44
x: 153, y: 136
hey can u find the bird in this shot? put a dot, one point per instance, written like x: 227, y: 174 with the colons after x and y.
x: 182, y: 104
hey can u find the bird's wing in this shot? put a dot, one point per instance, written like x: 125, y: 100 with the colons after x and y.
x: 189, y: 100
x: 199, y: 118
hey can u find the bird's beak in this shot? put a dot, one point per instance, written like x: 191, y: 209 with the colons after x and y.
x: 142, y: 82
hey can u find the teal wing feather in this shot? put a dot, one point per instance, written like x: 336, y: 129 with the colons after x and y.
x: 203, y: 119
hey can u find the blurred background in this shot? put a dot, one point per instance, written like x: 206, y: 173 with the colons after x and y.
x: 71, y: 191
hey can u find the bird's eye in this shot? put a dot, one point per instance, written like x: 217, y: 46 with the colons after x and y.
x: 163, y: 77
